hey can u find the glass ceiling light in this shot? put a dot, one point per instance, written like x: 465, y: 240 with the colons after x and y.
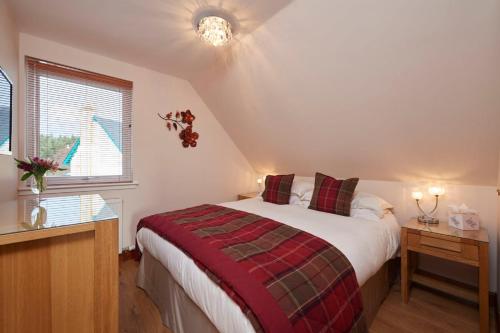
x: 215, y: 30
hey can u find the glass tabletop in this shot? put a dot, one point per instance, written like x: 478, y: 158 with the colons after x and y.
x: 25, y: 214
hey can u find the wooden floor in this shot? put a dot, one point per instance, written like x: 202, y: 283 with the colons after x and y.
x: 426, y: 312
x: 137, y: 313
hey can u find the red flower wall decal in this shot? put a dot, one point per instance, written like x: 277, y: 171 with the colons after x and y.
x: 183, y: 120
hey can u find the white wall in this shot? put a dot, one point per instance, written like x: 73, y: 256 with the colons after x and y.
x: 169, y: 175
x: 8, y: 61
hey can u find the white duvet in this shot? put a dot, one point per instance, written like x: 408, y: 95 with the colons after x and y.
x: 367, y: 244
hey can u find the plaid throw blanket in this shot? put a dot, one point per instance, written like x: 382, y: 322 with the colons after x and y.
x: 283, y: 279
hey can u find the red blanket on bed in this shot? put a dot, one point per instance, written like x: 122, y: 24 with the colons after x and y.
x: 284, y: 279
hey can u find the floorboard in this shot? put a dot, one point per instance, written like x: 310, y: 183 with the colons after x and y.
x: 426, y: 312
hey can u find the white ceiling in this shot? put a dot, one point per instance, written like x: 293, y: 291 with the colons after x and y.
x: 156, y: 34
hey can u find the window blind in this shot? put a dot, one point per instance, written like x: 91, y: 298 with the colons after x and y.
x: 80, y: 119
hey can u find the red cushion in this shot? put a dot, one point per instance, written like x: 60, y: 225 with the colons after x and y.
x: 278, y: 189
x: 333, y: 196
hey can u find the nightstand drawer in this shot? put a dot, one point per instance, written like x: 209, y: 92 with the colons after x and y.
x: 446, y: 246
x: 441, y: 243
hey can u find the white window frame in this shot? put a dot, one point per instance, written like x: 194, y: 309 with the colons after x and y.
x: 32, y: 114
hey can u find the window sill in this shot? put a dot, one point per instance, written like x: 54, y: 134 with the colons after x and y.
x: 55, y: 189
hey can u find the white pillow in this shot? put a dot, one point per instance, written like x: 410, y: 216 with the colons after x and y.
x: 362, y: 200
x: 366, y: 214
x: 301, y: 185
x: 294, y: 199
x: 308, y: 195
x: 303, y: 203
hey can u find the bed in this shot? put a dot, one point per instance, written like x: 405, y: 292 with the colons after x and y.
x: 189, y: 301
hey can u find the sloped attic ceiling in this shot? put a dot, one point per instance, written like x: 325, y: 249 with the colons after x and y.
x: 389, y: 90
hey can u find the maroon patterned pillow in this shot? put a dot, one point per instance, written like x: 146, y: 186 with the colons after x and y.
x: 278, y: 189
x: 333, y: 196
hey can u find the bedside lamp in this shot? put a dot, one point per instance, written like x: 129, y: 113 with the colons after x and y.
x: 425, y: 217
x: 259, y: 182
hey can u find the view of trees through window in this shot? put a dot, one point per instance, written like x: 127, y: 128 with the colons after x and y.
x: 57, y: 148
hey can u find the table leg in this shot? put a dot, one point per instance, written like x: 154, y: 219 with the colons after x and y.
x: 484, y: 308
x: 404, y: 266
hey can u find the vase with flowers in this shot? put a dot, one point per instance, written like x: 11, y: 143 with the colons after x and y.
x: 37, y: 168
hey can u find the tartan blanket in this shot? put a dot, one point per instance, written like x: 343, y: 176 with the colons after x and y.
x: 283, y: 279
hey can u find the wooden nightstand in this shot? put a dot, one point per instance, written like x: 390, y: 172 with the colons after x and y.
x: 443, y: 241
x: 247, y: 195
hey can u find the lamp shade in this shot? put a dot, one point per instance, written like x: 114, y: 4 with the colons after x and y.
x: 417, y: 195
x: 436, y: 190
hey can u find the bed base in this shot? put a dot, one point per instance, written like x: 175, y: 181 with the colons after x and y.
x: 182, y: 315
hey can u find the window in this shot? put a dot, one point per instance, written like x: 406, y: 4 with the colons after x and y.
x: 80, y: 119
x: 5, y: 113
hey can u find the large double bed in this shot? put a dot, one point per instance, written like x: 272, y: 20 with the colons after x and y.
x: 190, y: 301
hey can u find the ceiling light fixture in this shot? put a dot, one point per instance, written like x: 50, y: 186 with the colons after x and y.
x: 215, y: 30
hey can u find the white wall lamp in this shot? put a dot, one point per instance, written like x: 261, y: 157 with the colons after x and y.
x: 259, y: 183
x: 428, y: 217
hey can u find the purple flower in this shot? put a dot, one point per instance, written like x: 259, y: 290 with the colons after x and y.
x: 25, y: 166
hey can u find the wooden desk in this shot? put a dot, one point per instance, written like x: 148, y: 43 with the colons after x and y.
x: 60, y: 275
x: 443, y: 241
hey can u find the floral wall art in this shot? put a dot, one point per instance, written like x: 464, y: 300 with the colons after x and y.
x: 183, y: 120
